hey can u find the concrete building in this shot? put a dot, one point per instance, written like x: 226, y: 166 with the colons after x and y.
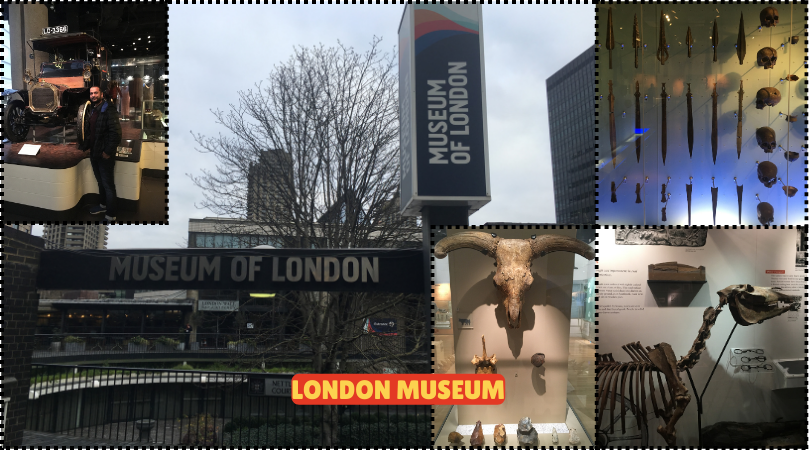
x: 75, y: 237
x: 570, y: 93
x: 269, y: 183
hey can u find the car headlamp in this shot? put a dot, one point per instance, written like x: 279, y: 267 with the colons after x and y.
x: 86, y: 74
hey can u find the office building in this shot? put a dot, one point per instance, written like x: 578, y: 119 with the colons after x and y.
x: 75, y: 237
x: 570, y: 93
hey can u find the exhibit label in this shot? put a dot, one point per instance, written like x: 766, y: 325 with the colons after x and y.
x: 411, y: 389
x: 390, y: 270
x: 443, y: 138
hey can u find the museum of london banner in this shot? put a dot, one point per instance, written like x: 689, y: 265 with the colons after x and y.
x: 384, y: 270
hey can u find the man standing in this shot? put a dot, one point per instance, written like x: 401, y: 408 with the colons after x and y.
x: 102, y: 132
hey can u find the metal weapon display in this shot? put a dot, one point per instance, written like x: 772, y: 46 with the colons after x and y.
x: 714, y: 124
x: 690, y: 129
x: 714, y: 203
x: 611, y: 41
x: 689, y: 202
x: 663, y: 51
x: 739, y: 120
x: 612, y: 117
x: 638, y: 125
x: 741, y: 41
x: 688, y: 42
x: 664, y: 122
x: 636, y: 37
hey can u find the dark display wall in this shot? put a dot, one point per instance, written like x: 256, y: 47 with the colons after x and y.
x: 663, y: 121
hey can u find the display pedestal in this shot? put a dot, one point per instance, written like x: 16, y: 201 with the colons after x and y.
x: 543, y: 438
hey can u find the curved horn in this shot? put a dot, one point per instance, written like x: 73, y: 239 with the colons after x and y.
x: 547, y: 243
x: 476, y: 240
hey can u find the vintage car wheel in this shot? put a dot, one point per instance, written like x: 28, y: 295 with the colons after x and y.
x: 80, y: 117
x: 14, y: 127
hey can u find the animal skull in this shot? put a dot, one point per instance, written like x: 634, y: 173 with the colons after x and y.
x: 768, y: 96
x: 753, y: 304
x: 766, y: 172
x: 513, y: 261
x: 768, y: 17
x: 765, y: 213
x: 766, y: 138
x: 766, y: 57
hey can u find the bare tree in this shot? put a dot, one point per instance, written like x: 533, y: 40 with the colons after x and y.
x: 311, y: 159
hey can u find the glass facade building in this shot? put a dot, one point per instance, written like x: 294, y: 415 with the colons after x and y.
x: 571, y: 129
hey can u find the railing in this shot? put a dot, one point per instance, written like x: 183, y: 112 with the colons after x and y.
x: 172, y: 407
x: 51, y: 345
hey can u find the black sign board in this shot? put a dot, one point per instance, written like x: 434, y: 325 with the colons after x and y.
x: 386, y: 270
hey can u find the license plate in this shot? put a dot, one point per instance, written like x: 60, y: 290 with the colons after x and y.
x: 55, y: 30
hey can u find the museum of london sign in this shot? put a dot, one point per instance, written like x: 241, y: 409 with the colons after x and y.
x: 278, y: 269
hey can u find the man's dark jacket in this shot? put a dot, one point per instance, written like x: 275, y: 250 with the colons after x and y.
x: 108, y: 131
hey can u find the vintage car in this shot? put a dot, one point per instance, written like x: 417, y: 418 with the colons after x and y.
x: 59, y: 94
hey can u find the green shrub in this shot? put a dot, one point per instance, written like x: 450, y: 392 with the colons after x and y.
x: 74, y: 340
x: 168, y: 342
x: 137, y: 340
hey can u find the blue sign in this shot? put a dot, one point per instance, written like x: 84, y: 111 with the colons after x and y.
x: 443, y: 134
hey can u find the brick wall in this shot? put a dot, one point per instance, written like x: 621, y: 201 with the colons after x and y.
x: 20, y: 300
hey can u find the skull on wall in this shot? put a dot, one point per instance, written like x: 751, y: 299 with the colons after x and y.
x: 765, y: 213
x: 766, y: 138
x: 768, y: 17
x: 766, y: 57
x: 768, y: 96
x: 766, y: 172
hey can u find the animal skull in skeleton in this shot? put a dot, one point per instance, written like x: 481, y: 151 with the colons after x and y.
x: 768, y: 96
x: 753, y: 304
x: 766, y: 172
x: 766, y: 138
x: 768, y: 17
x: 513, y: 261
x: 766, y: 57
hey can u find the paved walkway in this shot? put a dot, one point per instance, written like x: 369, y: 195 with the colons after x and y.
x: 41, y: 439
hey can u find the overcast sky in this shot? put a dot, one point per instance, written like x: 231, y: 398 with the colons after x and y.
x: 217, y: 50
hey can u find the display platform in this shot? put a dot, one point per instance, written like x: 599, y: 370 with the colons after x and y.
x: 57, y: 182
x: 544, y: 436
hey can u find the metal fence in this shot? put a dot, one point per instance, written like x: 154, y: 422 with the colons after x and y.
x: 83, y: 344
x: 174, y: 407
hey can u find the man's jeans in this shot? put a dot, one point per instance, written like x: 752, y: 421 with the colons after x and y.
x: 104, y: 170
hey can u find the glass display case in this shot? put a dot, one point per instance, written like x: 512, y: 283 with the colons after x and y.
x: 702, y: 114
x: 552, y: 350
x: 136, y: 81
x: 154, y: 120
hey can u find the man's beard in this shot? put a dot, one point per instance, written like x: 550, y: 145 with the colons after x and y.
x: 94, y: 103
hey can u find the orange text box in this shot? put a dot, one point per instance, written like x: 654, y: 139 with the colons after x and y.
x: 413, y: 389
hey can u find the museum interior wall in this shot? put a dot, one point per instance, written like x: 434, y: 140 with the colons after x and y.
x: 655, y: 286
x: 662, y: 134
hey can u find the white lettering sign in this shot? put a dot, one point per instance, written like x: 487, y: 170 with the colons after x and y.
x: 218, y: 305
x: 318, y: 269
